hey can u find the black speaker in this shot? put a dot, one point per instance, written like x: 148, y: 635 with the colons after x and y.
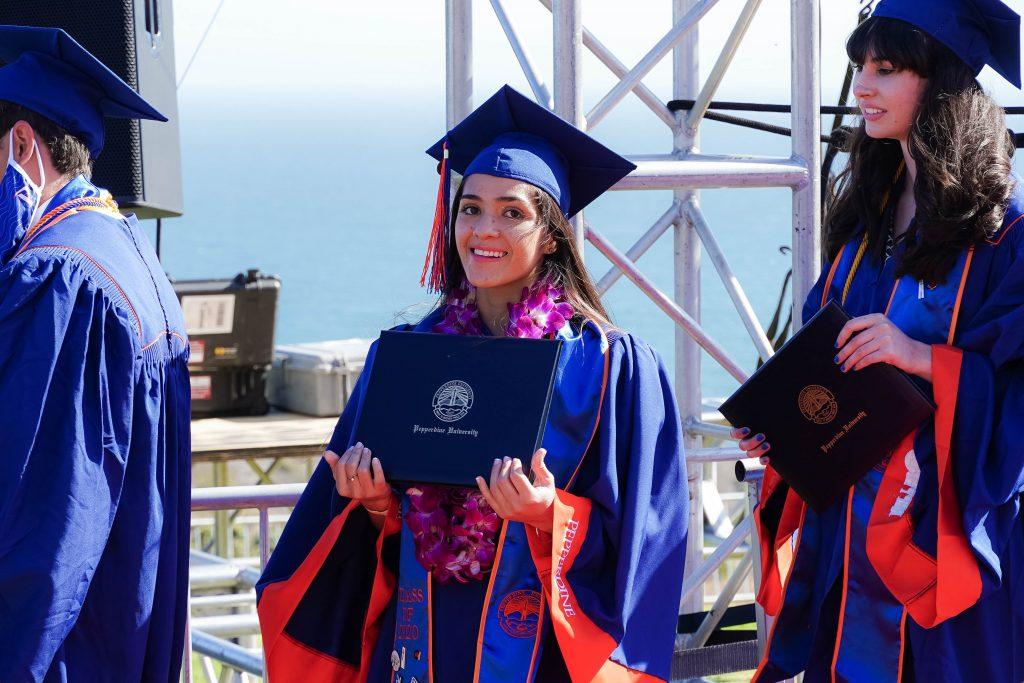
x: 141, y: 160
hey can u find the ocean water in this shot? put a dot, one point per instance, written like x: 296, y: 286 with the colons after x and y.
x: 337, y: 200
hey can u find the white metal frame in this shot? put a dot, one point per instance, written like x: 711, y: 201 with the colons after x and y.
x: 219, y: 499
x: 684, y: 171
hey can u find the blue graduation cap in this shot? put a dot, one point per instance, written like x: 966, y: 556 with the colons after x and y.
x: 48, y: 72
x: 511, y: 136
x: 979, y: 32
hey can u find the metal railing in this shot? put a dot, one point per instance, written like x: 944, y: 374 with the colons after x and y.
x: 684, y: 171
x: 208, y: 635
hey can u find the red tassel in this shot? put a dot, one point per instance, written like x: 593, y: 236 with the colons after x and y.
x: 436, y: 247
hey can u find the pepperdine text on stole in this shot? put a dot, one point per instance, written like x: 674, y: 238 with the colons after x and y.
x: 417, y: 429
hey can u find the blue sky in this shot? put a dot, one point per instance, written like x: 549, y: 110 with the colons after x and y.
x: 361, y: 51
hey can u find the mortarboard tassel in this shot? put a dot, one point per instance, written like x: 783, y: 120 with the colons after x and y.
x: 437, y: 247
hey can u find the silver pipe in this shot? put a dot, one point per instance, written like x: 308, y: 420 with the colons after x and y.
x: 686, y: 289
x: 606, y: 57
x: 753, y: 499
x: 264, y: 537
x: 227, y: 625
x: 666, y: 304
x: 709, y: 171
x: 683, y: 25
x: 208, y: 670
x: 718, y: 454
x: 729, y: 590
x: 186, y: 656
x: 708, y: 429
x: 641, y: 246
x: 540, y: 91
x: 700, y: 574
x: 213, y: 570
x: 567, y: 27
x: 235, y: 497
x: 224, y: 600
x: 729, y: 279
x: 806, y: 68
x: 229, y: 653
x: 707, y: 93
x: 749, y: 470
x: 458, y: 33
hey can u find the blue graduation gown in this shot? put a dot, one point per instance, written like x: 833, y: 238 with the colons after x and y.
x: 919, y: 573
x: 95, y: 464
x: 608, y: 581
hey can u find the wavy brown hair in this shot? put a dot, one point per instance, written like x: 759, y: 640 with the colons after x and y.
x: 563, y: 267
x: 959, y: 142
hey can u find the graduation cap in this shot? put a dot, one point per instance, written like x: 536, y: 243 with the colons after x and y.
x: 979, y: 32
x: 511, y: 136
x: 51, y: 74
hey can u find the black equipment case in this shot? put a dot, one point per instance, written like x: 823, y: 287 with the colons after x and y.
x: 230, y: 326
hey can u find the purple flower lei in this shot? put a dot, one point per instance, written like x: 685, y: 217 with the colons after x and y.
x: 454, y: 528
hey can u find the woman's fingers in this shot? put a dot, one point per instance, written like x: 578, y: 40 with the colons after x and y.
x: 753, y: 443
x: 485, y: 491
x: 379, y: 482
x: 879, y: 356
x: 363, y: 476
x: 754, y: 446
x: 858, y: 342
x: 871, y: 347
x: 350, y: 461
x: 856, y: 325
x: 496, y: 493
x: 739, y: 432
x: 333, y: 461
x: 518, y: 477
x: 505, y: 485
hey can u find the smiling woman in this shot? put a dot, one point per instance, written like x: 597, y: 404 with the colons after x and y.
x: 566, y: 568
x: 917, y: 574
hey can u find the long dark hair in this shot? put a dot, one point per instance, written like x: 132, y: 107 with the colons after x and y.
x: 960, y: 145
x: 563, y: 267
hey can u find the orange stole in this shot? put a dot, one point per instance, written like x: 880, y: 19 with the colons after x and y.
x: 288, y: 660
x: 933, y: 589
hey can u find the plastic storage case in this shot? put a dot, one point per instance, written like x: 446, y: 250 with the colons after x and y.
x: 316, y: 378
x: 230, y: 325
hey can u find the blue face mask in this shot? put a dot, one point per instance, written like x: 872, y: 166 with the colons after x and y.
x: 20, y: 201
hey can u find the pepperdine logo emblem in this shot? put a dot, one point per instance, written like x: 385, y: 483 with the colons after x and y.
x: 818, y: 404
x: 452, y: 401
x: 519, y: 613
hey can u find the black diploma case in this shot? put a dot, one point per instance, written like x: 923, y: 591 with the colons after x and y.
x: 827, y: 428
x: 439, y: 408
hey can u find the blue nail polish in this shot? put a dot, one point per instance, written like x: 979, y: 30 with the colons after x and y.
x: 837, y: 343
x: 766, y: 447
x: 745, y: 431
x: 836, y: 359
x: 759, y: 438
x: 845, y: 368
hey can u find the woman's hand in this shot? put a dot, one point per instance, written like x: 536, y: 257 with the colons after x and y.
x: 359, y: 476
x: 754, y: 446
x: 513, y: 497
x: 875, y: 339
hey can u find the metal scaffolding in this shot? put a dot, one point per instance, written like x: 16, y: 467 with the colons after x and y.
x: 685, y: 171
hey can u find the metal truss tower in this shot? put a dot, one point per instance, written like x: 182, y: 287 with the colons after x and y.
x: 684, y: 171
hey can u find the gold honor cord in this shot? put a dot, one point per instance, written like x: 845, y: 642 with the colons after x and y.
x: 864, y: 240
